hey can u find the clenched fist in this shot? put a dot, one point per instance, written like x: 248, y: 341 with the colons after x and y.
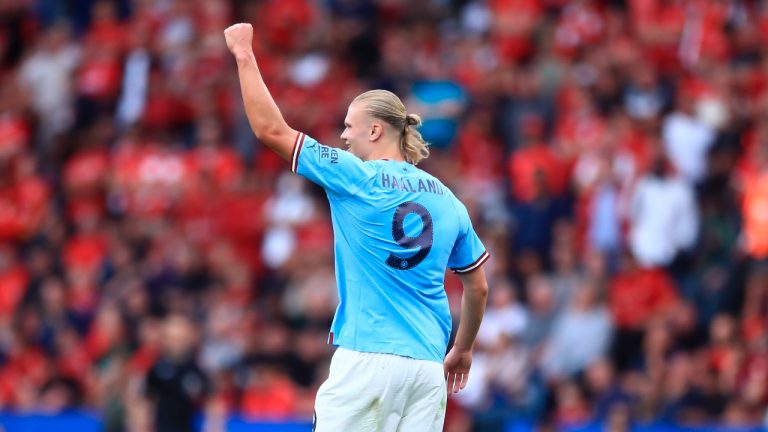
x: 239, y: 38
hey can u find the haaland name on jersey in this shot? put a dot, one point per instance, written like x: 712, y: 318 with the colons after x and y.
x: 405, y: 184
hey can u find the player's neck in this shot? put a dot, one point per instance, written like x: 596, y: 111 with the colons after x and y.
x: 387, y: 152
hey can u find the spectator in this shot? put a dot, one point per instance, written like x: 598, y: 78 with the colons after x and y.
x: 567, y: 352
x: 13, y: 283
x: 566, y: 274
x: 132, y: 100
x: 269, y: 394
x: 687, y: 139
x: 504, y: 315
x: 572, y: 409
x: 604, y: 178
x: 47, y: 75
x: 176, y: 385
x: 499, y: 389
x: 646, y: 95
x: 534, y: 220
x: 534, y: 160
x: 512, y: 23
x: 755, y: 221
x: 606, y: 394
x: 525, y: 113
x: 24, y: 196
x: 635, y: 297
x: 543, y: 309
x: 663, y: 217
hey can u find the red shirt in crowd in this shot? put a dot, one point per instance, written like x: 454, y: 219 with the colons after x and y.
x: 513, y: 22
x: 14, y: 133
x: 480, y: 154
x: 221, y: 164
x: 524, y: 165
x: 13, y: 285
x: 85, y: 251
x: 659, y: 25
x: 636, y: 295
x: 86, y: 169
x: 275, y: 397
x: 100, y: 75
x: 22, y: 207
x: 280, y: 19
x: 105, y: 31
x: 755, y: 214
x: 580, y: 24
x: 73, y: 360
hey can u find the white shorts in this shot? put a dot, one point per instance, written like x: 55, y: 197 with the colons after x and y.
x: 380, y: 392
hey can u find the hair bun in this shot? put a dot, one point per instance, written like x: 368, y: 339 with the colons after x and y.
x: 412, y: 120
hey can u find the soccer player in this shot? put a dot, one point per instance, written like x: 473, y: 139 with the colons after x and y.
x: 396, y: 229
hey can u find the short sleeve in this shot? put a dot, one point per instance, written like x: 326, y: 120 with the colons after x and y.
x: 468, y: 252
x: 338, y: 171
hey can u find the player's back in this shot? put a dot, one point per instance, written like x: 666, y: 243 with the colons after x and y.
x: 396, y: 229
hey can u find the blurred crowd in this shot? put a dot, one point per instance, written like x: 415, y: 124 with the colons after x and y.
x: 156, y: 261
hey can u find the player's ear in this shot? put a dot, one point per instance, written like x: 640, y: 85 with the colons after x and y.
x: 376, y: 130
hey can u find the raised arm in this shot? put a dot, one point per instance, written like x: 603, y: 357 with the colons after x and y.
x: 459, y: 359
x: 263, y: 114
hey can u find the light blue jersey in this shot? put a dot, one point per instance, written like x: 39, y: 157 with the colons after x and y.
x: 396, y: 229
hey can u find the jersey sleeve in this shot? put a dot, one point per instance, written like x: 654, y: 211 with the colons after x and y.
x: 337, y: 171
x: 468, y: 252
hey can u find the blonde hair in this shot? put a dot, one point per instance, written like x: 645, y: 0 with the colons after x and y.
x: 385, y: 105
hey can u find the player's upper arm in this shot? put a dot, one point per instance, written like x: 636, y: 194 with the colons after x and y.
x: 468, y: 252
x: 281, y: 139
x: 339, y: 172
x: 474, y: 280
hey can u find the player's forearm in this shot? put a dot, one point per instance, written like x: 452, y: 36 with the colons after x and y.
x: 472, y: 310
x: 263, y: 114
